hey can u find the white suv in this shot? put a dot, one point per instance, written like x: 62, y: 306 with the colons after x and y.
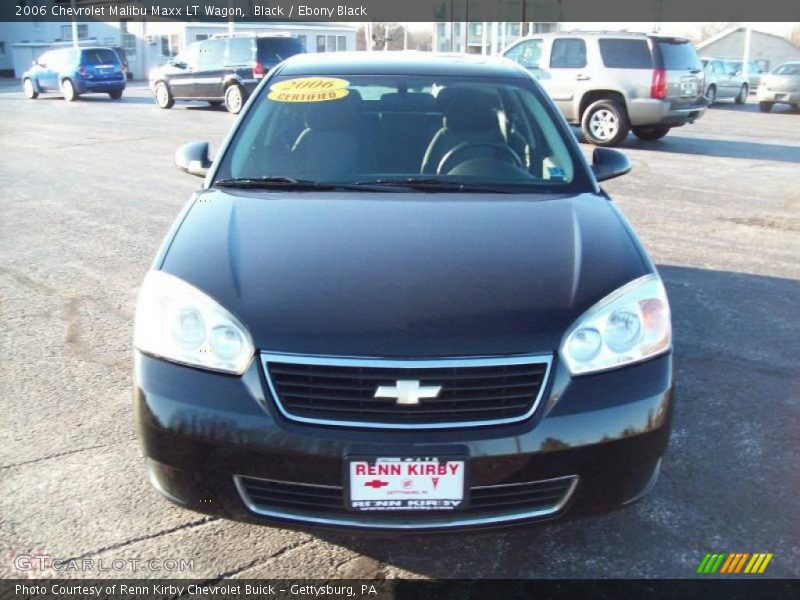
x: 613, y: 83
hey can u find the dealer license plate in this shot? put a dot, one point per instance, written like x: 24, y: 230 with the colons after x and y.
x: 405, y: 483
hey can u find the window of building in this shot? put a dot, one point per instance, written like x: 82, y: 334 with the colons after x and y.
x: 477, y: 29
x: 127, y: 40
x: 200, y: 37
x: 568, y: 53
x: 626, y: 54
x: 331, y: 43
x: 83, y: 32
x: 341, y: 43
x: 2, y: 48
x: 320, y: 43
x: 170, y: 45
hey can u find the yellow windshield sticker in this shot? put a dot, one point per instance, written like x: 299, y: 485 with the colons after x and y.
x: 309, y: 89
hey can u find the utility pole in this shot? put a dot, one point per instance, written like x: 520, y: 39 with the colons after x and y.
x: 748, y: 32
x: 74, y: 25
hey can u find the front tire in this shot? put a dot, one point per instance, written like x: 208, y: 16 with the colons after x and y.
x: 605, y: 123
x: 29, y: 89
x: 163, y: 96
x: 711, y: 94
x: 650, y: 133
x: 765, y: 106
x: 234, y: 99
x: 68, y: 89
x: 115, y: 95
x: 742, y: 97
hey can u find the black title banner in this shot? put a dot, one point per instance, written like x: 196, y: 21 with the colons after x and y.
x: 366, y: 589
x: 400, y: 10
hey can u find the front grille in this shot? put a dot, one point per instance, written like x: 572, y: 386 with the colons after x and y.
x: 342, y: 391
x: 325, y: 504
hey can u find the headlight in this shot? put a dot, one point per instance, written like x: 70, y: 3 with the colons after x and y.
x: 178, y: 322
x: 628, y: 326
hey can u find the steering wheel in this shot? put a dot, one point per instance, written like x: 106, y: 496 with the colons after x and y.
x: 505, y: 149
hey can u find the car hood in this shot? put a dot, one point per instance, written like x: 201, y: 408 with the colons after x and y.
x: 404, y: 275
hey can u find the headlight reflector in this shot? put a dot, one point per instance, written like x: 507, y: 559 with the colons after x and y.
x: 178, y: 322
x: 628, y: 326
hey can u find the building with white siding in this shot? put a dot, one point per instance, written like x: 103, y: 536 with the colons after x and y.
x: 150, y: 44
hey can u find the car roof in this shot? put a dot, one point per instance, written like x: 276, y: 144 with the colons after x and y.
x: 608, y: 34
x: 400, y: 63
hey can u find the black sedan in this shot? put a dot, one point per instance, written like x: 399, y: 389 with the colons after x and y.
x: 401, y: 302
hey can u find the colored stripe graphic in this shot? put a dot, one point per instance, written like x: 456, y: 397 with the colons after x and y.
x: 727, y: 566
x: 710, y: 563
x: 734, y: 563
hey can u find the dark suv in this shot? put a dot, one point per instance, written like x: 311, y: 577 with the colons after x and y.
x: 221, y: 69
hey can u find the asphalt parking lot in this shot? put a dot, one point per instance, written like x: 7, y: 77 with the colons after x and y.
x: 90, y: 191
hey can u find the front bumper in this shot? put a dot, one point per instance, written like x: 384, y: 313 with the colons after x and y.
x: 763, y: 94
x: 646, y: 111
x: 202, y: 432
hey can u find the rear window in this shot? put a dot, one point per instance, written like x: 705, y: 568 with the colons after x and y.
x: 678, y: 56
x: 278, y: 49
x: 102, y: 56
x: 626, y: 54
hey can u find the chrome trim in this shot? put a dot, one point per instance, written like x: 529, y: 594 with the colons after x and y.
x: 651, y: 483
x: 335, y: 361
x: 409, y: 525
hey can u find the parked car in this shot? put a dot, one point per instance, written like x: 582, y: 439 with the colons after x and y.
x: 75, y: 71
x: 123, y: 57
x: 613, y: 83
x: 724, y: 80
x: 223, y: 69
x: 401, y: 301
x: 780, y: 86
x: 754, y: 73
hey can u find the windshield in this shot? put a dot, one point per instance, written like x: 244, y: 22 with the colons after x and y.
x: 787, y: 69
x: 405, y: 129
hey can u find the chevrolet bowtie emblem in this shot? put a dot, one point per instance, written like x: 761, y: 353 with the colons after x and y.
x: 408, y: 391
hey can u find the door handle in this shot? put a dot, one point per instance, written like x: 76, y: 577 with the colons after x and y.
x: 582, y: 77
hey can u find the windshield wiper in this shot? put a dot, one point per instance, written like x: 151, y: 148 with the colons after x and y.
x: 273, y: 182
x: 431, y: 184
x: 290, y: 183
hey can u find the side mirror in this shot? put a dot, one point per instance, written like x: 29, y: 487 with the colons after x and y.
x: 178, y: 64
x: 608, y: 163
x: 193, y: 158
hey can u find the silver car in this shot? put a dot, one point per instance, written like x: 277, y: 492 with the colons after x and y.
x: 780, y: 86
x: 612, y: 83
x: 724, y: 80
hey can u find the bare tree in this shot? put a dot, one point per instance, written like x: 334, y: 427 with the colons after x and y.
x: 708, y: 30
x: 390, y: 36
x: 794, y: 36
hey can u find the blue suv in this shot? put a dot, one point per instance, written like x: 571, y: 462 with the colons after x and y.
x: 76, y: 71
